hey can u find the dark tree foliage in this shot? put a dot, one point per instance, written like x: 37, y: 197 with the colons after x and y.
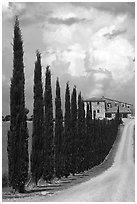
x: 48, y: 139
x: 81, y: 134
x: 74, y: 135
x: 98, y: 142
x: 99, y: 138
x: 67, y: 134
x: 17, y: 147
x: 87, y: 138
x: 58, y: 133
x: 7, y: 118
x: 118, y: 117
x: 37, y: 134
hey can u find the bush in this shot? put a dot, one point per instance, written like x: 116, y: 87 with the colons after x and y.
x: 4, y: 180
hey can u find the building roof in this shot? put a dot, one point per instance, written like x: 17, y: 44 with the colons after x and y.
x: 94, y: 99
x: 105, y: 98
x: 121, y: 110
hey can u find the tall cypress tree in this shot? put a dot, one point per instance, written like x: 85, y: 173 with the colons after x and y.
x: 74, y: 136
x: 67, y: 128
x: 81, y: 133
x: 48, y: 139
x: 17, y: 147
x: 37, y: 135
x: 87, y: 138
x: 58, y: 133
x: 117, y: 117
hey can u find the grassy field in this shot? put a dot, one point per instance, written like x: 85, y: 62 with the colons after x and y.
x: 5, y: 128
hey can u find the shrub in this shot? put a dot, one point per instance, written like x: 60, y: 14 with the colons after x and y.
x: 5, y: 179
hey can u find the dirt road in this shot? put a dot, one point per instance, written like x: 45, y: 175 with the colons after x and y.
x: 116, y: 184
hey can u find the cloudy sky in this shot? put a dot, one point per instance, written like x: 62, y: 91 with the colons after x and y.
x: 91, y: 45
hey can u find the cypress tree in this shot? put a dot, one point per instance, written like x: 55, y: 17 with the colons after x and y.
x: 58, y: 133
x: 117, y: 117
x: 74, y: 136
x: 83, y: 137
x: 48, y: 139
x: 81, y: 133
x: 37, y: 135
x: 67, y: 127
x: 17, y: 147
x: 87, y: 145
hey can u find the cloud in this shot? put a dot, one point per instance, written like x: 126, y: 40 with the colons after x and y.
x: 68, y: 21
x: 107, y: 54
x: 114, y: 33
x: 29, y: 12
x: 111, y: 7
x: 116, y: 56
x: 89, y: 44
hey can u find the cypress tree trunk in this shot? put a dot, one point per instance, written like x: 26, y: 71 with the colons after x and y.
x: 74, y: 136
x: 67, y: 127
x: 17, y: 147
x: 58, y: 134
x: 37, y: 135
x: 48, y: 150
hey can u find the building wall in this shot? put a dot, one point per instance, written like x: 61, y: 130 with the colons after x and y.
x: 128, y: 115
x: 99, y: 107
x: 115, y: 103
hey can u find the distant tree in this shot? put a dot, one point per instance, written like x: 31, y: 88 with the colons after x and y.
x: 67, y: 128
x: 90, y: 108
x: 3, y: 118
x: 81, y: 134
x: 58, y: 133
x: 17, y: 147
x: 48, y: 142
x: 117, y: 117
x: 26, y: 111
x: 31, y: 118
x: 38, y: 114
x: 74, y: 135
x: 87, y: 138
x: 7, y: 118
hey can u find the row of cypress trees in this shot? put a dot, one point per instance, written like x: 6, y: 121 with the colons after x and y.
x: 74, y: 145
x: 65, y: 147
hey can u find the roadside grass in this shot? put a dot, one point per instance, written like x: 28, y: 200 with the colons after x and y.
x: 57, y: 185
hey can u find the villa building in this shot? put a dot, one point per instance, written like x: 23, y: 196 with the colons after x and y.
x: 107, y: 108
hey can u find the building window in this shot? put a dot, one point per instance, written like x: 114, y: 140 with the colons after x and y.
x: 108, y: 115
x: 97, y: 111
x: 128, y: 106
x: 98, y: 103
x: 115, y: 104
x: 109, y: 105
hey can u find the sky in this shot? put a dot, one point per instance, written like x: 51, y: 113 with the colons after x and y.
x: 91, y: 45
